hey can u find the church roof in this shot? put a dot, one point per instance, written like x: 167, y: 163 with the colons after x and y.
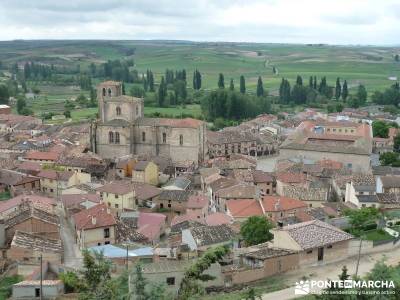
x: 187, y: 122
x: 116, y: 122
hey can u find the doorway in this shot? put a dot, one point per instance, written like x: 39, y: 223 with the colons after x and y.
x: 320, y: 254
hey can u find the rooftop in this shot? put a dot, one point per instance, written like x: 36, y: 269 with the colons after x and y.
x: 94, y: 217
x: 242, y: 208
x: 36, y: 242
x: 278, y: 203
x: 210, y: 235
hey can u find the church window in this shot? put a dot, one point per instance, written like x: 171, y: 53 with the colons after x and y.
x: 118, y: 110
x: 164, y: 137
x: 143, y: 136
x: 104, y: 91
x: 109, y: 92
x: 117, y: 137
x: 111, y: 137
x: 137, y: 110
x: 181, y: 140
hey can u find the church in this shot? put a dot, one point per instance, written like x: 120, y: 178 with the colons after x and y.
x: 122, y: 129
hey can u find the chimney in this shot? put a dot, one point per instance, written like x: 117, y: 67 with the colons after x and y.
x: 93, y: 220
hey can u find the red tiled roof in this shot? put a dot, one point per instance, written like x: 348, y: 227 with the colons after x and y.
x: 291, y: 177
x: 185, y: 217
x: 70, y: 200
x: 197, y: 201
x: 187, y: 122
x: 39, y: 155
x: 119, y: 188
x: 278, y: 203
x: 218, y: 219
x: 29, y: 166
x: 55, y: 175
x: 102, y: 215
x: 244, y: 208
x: 262, y: 177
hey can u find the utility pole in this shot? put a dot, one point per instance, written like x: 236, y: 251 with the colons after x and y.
x: 359, y: 256
x: 41, y: 277
x: 127, y: 247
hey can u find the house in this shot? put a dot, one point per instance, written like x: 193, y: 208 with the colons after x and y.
x: 347, y: 142
x: 217, y: 185
x: 171, y: 272
x: 17, y: 182
x: 285, y: 179
x: 74, y: 203
x: 206, y: 173
x: 29, y: 247
x: 264, y: 182
x: 361, y: 191
x: 276, y: 208
x: 239, y: 191
x: 388, y: 184
x: 94, y: 226
x: 172, y: 202
x: 315, y: 241
x: 11, y: 205
x: 29, y: 167
x: 146, y: 194
x: 151, y: 226
x: 145, y: 172
x: 31, y: 287
x: 32, y: 219
x: 241, y: 209
x: 218, y: 218
x: 54, y: 182
x: 42, y: 157
x: 118, y: 195
x: 197, y: 205
x: 259, y: 262
x: 203, y: 237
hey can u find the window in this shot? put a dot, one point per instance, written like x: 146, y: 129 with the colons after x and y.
x: 169, y: 205
x: 137, y: 110
x: 109, y: 92
x: 37, y: 292
x: 116, y: 196
x: 143, y: 136
x: 117, y: 137
x: 349, y: 165
x: 107, y: 243
x: 161, y: 205
x: 181, y: 140
x: 309, y: 252
x: 164, y: 137
x: 118, y: 111
x: 111, y: 137
x: 51, y: 190
x: 171, y: 280
x: 104, y: 91
x: 329, y: 246
x: 98, y: 244
x: 106, y: 232
x: 116, y: 205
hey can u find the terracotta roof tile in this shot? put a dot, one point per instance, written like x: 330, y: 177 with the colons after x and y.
x: 94, y: 217
x: 278, y: 203
x: 240, y: 208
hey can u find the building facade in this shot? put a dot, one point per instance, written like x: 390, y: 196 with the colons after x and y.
x: 122, y: 130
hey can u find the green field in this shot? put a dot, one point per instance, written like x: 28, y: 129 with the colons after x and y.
x: 368, y: 65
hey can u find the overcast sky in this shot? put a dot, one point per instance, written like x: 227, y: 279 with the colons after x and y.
x: 287, y: 21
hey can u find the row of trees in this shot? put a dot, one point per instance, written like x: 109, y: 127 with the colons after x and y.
x: 390, y: 96
x: 233, y: 105
x: 260, y: 92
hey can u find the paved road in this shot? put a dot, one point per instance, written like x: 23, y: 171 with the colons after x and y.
x: 331, y: 271
x: 72, y: 254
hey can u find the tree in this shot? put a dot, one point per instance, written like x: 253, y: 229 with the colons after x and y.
x: 345, y: 91
x: 361, y: 94
x: 310, y: 82
x: 396, y: 143
x: 190, y: 285
x: 397, y: 58
x: 390, y: 159
x: 21, y: 104
x: 96, y: 277
x: 67, y: 114
x: 162, y: 92
x: 380, y: 129
x: 231, y: 85
x: 242, y: 85
x: 260, y: 88
x: 338, y: 89
x: 358, y: 218
x: 221, y: 82
x: 71, y: 281
x: 139, y: 286
x: 4, y: 94
x: 196, y: 80
x: 256, y: 230
x: 151, y: 81
x: 299, y: 80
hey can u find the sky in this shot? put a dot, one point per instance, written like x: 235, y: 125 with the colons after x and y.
x: 373, y: 22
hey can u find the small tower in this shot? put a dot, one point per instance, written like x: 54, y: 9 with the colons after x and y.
x: 106, y: 91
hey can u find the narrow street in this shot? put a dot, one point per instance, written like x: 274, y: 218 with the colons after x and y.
x: 72, y: 254
x: 332, y: 270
